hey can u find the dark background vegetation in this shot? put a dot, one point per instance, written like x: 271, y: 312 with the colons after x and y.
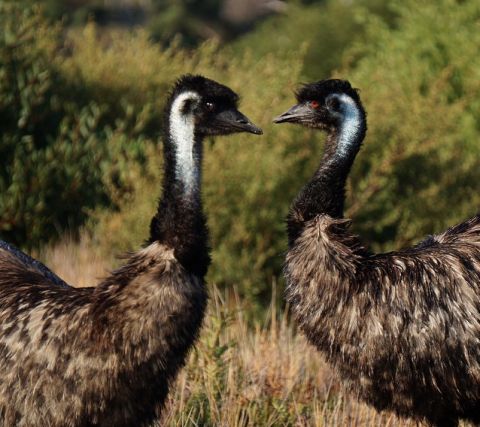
x: 82, y: 86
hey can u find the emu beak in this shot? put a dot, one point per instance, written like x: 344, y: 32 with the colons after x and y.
x: 236, y: 121
x: 295, y: 114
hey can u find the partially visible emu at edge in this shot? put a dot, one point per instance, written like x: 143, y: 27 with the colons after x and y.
x: 106, y: 355
x: 402, y: 328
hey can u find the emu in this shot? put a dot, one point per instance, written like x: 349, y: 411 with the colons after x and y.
x: 106, y: 355
x: 402, y: 328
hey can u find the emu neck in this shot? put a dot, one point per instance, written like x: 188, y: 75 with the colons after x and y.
x: 179, y: 222
x: 325, y: 193
x: 183, y: 151
x: 186, y: 149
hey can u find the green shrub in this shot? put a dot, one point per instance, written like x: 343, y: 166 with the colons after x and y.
x: 419, y: 170
x: 58, y: 142
x: 326, y: 28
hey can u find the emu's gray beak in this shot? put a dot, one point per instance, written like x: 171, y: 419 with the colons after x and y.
x: 296, y: 113
x: 237, y: 121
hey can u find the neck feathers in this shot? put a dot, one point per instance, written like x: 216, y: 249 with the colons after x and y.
x: 325, y: 193
x: 182, y: 138
x: 351, y: 130
x: 179, y: 222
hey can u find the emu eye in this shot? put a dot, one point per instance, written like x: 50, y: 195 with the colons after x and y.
x: 210, y: 106
x: 314, y: 104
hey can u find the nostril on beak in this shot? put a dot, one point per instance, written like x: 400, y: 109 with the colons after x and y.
x: 243, y: 124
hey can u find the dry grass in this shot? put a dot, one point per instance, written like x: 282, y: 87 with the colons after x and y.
x: 78, y: 263
x: 240, y: 375
x: 266, y: 375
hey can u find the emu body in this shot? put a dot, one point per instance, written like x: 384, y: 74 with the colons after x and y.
x: 402, y: 328
x: 106, y: 355
x: 95, y: 356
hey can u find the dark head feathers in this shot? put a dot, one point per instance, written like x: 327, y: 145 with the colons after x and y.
x: 321, y: 89
x: 206, y: 88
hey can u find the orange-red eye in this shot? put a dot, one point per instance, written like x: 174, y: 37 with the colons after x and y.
x: 314, y: 104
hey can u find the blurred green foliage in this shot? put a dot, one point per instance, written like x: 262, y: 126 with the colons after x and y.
x: 189, y: 22
x: 59, y: 142
x: 419, y: 170
x: 326, y: 28
x: 194, y: 20
x: 81, y: 118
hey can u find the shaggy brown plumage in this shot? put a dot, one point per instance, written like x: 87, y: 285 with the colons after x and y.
x: 402, y: 328
x: 105, y: 355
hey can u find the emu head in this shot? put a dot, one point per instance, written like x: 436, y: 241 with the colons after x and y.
x: 325, y: 104
x: 210, y: 106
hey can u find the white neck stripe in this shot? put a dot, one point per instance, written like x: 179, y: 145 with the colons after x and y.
x: 352, y: 121
x: 182, y: 132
